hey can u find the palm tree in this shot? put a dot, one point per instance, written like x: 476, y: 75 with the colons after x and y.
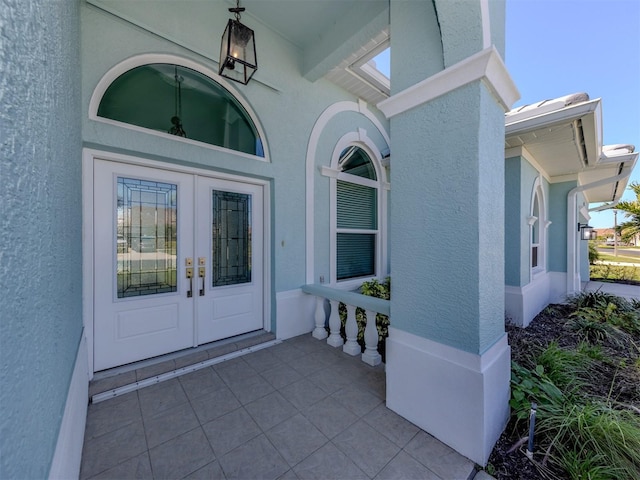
x: 631, y: 228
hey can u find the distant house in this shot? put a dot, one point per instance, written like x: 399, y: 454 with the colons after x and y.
x: 151, y: 205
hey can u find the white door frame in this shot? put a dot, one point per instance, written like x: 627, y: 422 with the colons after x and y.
x: 89, y: 155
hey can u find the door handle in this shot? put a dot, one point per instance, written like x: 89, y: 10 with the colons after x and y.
x: 189, y: 272
x: 201, y: 275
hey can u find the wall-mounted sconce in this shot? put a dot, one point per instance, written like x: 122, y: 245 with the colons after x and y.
x: 238, y: 50
x: 586, y: 231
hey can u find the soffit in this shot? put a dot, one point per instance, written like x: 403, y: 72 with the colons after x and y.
x: 564, y: 137
x: 563, y: 141
x: 312, y: 25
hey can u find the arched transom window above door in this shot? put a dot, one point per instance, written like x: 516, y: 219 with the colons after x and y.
x: 180, y: 101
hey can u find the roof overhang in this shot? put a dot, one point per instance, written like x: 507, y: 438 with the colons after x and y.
x: 563, y: 138
x: 563, y: 141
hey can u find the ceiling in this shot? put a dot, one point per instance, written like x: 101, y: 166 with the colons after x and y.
x: 333, y: 35
x: 302, y: 22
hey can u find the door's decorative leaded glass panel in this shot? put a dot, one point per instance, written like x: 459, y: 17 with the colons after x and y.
x: 146, y: 241
x: 231, y: 238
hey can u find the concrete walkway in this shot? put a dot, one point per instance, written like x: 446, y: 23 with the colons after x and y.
x: 620, y: 289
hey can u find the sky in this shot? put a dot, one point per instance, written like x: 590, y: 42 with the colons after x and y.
x: 558, y: 47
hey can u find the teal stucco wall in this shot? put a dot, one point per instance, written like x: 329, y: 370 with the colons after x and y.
x: 513, y: 222
x: 520, y: 182
x: 41, y: 253
x: 420, y: 28
x: 558, y: 229
x: 464, y: 192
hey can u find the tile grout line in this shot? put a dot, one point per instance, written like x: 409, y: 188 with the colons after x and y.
x: 100, y: 397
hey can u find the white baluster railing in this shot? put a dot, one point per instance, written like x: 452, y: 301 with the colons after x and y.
x: 352, y: 301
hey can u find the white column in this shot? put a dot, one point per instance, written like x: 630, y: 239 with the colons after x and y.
x: 319, y: 332
x: 351, y: 329
x: 335, y: 339
x: 371, y: 355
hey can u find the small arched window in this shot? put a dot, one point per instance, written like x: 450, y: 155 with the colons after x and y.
x: 538, y: 224
x: 535, y: 233
x: 178, y: 100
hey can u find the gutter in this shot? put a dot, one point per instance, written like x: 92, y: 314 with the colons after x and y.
x: 572, y: 228
x: 570, y: 113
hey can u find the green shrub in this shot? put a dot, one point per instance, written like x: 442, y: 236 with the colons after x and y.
x: 567, y: 369
x: 608, y: 272
x: 598, y: 299
x: 531, y: 386
x: 592, y: 440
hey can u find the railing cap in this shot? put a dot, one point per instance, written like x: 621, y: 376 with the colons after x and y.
x: 378, y: 305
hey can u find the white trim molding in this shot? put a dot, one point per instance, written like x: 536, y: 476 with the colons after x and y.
x: 360, y: 140
x: 294, y: 313
x: 314, y: 139
x: 486, y: 65
x: 522, y: 304
x: 486, y: 24
x: 68, y: 454
x: 458, y: 397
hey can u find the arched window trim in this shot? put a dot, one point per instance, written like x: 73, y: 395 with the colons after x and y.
x: 361, y: 140
x: 147, y: 59
x: 543, y: 224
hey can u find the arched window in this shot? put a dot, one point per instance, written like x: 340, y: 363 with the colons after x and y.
x: 178, y: 100
x: 357, y: 230
x: 535, y: 233
x: 538, y: 224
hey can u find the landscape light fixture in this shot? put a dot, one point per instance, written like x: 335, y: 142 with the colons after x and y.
x: 585, y: 230
x: 238, y: 50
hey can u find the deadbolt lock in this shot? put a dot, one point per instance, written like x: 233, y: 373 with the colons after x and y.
x: 202, y: 261
x: 188, y: 262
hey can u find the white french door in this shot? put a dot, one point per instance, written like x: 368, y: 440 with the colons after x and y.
x: 229, y: 245
x: 178, y: 261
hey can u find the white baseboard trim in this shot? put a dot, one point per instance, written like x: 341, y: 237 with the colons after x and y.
x: 557, y: 287
x: 68, y: 454
x: 460, y: 398
x: 522, y: 304
x: 294, y: 313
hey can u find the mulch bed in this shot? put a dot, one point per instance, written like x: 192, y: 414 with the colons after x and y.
x: 506, y: 462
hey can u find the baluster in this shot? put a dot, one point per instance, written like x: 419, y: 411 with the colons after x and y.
x: 335, y: 339
x: 351, y: 347
x: 319, y: 332
x: 371, y: 355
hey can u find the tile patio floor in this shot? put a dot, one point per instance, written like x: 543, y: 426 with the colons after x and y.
x: 300, y: 409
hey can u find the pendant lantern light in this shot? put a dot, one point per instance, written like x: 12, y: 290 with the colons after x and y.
x: 177, y: 129
x: 237, y: 50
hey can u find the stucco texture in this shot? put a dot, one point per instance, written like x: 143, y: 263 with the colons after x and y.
x: 40, y: 257
x: 448, y: 292
x: 520, y: 181
x: 557, y: 246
